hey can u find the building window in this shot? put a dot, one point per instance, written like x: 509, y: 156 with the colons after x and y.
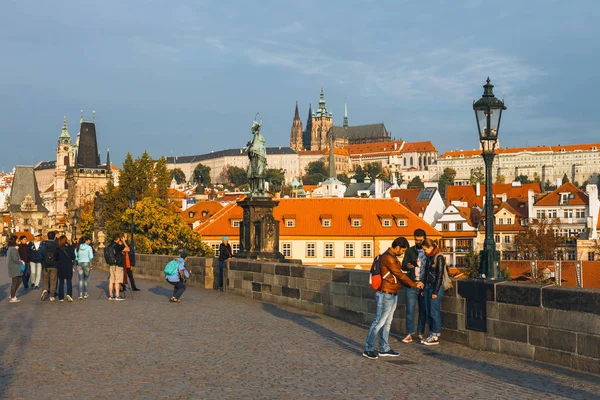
x: 329, y: 250
x: 564, y: 198
x: 286, y: 249
x: 401, y: 222
x: 411, y: 161
x: 509, y: 221
x: 25, y: 221
x: 366, y: 249
x: 579, y: 214
x: 459, y: 226
x: 215, y: 248
x: 387, y: 222
x: 445, y: 227
x: 326, y: 223
x: 591, y: 256
x: 500, y: 221
x: 290, y: 223
x: 497, y: 238
x: 39, y: 222
x: 235, y: 223
x: 568, y: 213
x: 310, y: 250
x: 235, y: 248
x: 349, y: 249
x: 461, y: 261
x: 506, y: 239
x: 356, y: 223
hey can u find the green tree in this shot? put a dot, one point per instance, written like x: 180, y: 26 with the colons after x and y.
x: 344, y: 179
x: 373, y: 170
x: 201, y: 175
x: 523, y: 179
x: 178, y: 175
x: 447, y: 178
x: 537, y: 178
x: 565, y: 179
x: 386, y: 175
x: 145, y: 177
x: 276, y: 178
x: 235, y: 175
x: 472, y: 264
x: 359, y: 174
x: 115, y: 204
x: 316, y: 172
x: 500, y: 179
x: 477, y: 176
x: 162, y: 178
x: 416, y: 183
x: 548, y: 186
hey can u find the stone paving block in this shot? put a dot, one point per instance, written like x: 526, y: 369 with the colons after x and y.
x: 552, y: 356
x: 509, y: 330
x: 588, y: 345
x: 552, y: 338
x: 586, y: 364
x: 517, y: 349
x: 523, y: 314
x: 568, y: 320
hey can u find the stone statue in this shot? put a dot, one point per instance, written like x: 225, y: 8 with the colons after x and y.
x: 257, y: 154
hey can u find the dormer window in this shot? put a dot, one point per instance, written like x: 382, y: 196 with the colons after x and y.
x: 387, y: 222
x: 204, y: 213
x: 235, y: 223
x: 401, y: 222
x: 289, y: 220
x: 564, y: 198
x: 594, y: 148
x: 191, y: 214
x: 356, y: 220
x: 500, y: 221
x: 326, y: 223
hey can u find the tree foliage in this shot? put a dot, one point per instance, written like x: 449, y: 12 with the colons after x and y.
x: 276, y: 179
x: 447, y: 178
x: 372, y: 171
x: 178, y: 175
x: 537, y: 178
x: 523, y: 179
x: 472, y: 264
x: 236, y: 176
x: 316, y: 172
x: 86, y: 219
x: 201, y: 175
x: 538, y: 241
x: 477, y: 176
x: 500, y: 179
x: 344, y: 179
x: 565, y: 179
x: 416, y: 183
x: 548, y: 186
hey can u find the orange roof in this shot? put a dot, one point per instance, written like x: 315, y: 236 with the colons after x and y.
x: 308, y: 222
x: 113, y: 167
x: 598, y: 224
x: 553, y: 198
x: 418, y: 147
x: 408, y: 197
x: 591, y: 274
x: 513, y: 150
x: 6, y: 220
x: 50, y: 189
x: 469, y: 195
x: 195, y: 212
x: 366, y: 149
x: 176, y: 194
x: 458, y: 234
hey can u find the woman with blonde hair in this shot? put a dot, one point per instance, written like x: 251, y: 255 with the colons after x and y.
x: 434, y: 291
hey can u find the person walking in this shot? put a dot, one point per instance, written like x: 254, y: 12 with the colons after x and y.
x: 386, y: 299
x: 84, y: 256
x: 225, y: 253
x: 14, y: 269
x: 113, y: 255
x: 434, y: 291
x: 64, y: 262
x: 35, y: 260
x: 129, y: 263
x: 178, y: 279
x: 413, y: 265
x: 24, y: 255
x: 49, y: 253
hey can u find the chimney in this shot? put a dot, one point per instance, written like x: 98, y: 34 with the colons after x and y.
x: 378, y: 191
x: 530, y: 202
x: 478, y: 190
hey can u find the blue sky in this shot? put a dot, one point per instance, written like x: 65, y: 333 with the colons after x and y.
x: 187, y: 77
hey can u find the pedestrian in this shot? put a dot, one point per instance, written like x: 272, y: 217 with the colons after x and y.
x: 49, y: 254
x: 84, y: 256
x: 113, y: 255
x: 225, y: 253
x: 15, y: 268
x: 413, y: 265
x: 178, y: 279
x: 35, y: 260
x: 24, y: 255
x: 129, y: 259
x: 386, y: 299
x: 64, y: 262
x: 434, y: 291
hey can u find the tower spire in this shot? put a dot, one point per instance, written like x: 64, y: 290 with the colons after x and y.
x: 94, y: 116
x: 345, y: 113
x: 322, y: 110
x: 108, y: 159
x: 332, y: 171
x: 80, y: 116
x: 64, y: 135
x: 296, y: 115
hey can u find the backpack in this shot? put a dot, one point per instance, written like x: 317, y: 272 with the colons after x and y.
x: 172, y: 267
x: 50, y: 255
x: 110, y: 255
x: 446, y: 281
x: 375, y: 278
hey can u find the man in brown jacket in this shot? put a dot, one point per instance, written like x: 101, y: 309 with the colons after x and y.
x: 387, y: 299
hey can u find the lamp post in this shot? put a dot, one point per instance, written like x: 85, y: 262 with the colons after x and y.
x: 75, y: 222
x: 132, y: 200
x: 488, y: 112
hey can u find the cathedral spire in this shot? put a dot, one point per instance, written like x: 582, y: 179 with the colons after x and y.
x: 345, y: 114
x: 296, y: 115
x: 322, y: 110
x: 108, y: 159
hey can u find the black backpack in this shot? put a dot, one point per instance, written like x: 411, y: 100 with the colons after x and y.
x: 110, y: 255
x: 50, y: 255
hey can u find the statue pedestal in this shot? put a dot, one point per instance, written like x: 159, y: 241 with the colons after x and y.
x: 259, y: 231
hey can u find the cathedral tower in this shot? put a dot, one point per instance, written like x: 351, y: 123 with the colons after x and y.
x: 322, y: 121
x: 306, y: 136
x: 296, y: 135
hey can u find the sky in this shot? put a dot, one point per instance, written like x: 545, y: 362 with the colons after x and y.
x: 187, y: 77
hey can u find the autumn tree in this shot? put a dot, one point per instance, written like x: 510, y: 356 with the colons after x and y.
x: 178, y: 175
x: 86, y: 218
x: 477, y: 176
x: 201, y: 175
x: 416, y: 183
x: 386, y: 175
x: 538, y: 241
x: 500, y: 179
x: 373, y: 170
x: 447, y: 178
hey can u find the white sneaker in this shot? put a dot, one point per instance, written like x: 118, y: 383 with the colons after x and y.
x: 13, y: 300
x: 69, y: 298
x: 431, y: 341
x: 407, y: 339
x: 52, y: 298
x: 80, y: 297
x: 44, y: 295
x: 85, y: 296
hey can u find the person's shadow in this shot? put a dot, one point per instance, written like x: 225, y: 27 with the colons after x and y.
x: 4, y: 291
x: 161, y: 291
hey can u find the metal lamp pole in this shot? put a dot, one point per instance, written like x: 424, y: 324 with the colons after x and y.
x: 488, y: 112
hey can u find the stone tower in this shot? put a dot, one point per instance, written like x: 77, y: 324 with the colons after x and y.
x: 64, y: 160
x: 322, y: 121
x: 296, y: 135
x: 306, y: 136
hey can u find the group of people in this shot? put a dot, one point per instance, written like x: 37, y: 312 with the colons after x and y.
x: 421, y: 272
x: 49, y: 265
x: 120, y: 257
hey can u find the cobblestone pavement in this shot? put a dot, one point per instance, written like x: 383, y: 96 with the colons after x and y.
x: 220, y: 346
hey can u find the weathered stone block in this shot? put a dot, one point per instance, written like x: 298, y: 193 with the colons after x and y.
x: 256, y: 287
x: 586, y: 364
x: 339, y: 288
x: 461, y: 318
x: 509, y: 331
x: 258, y: 277
x: 297, y: 271
x: 237, y: 284
x: 350, y: 315
x: 254, y: 267
x: 276, y: 290
x: 359, y: 278
x: 269, y: 279
x: 354, y: 291
x: 248, y: 276
x: 492, y: 344
x: 570, y: 320
x: 453, y: 304
x: 281, y: 280
x: 572, y: 299
x: 449, y: 320
x: 553, y: 357
x: 266, y: 288
x: 492, y: 310
x: 455, y: 336
x: 311, y: 296
x: 552, y: 338
x: 238, y: 265
x: 588, y: 345
x: 477, y: 340
x: 247, y: 285
x: 290, y: 292
x: 282, y: 270
x: 517, y: 349
x: 314, y: 285
x: 339, y: 300
x: 318, y: 273
x: 523, y: 314
x: 307, y: 306
x: 268, y: 268
x: 341, y: 276
x: 257, y: 295
x: 525, y: 294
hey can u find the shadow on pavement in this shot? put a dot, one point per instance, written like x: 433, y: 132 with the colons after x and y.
x: 4, y: 291
x: 528, y: 380
x: 305, y: 321
x: 161, y: 291
x: 589, y: 377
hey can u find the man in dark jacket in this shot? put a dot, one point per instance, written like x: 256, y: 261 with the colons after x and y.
x: 115, y: 267
x: 387, y: 299
x: 413, y: 266
x: 35, y: 260
x: 225, y: 253
x: 49, y: 266
x: 24, y: 256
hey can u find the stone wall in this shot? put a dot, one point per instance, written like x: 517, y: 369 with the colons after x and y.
x: 558, y: 325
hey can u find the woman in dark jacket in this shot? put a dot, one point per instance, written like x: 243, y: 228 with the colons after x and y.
x: 434, y: 291
x: 14, y: 269
x: 64, y: 263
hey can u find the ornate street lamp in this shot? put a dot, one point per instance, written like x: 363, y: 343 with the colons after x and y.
x: 488, y: 112
x: 132, y: 200
x: 75, y: 222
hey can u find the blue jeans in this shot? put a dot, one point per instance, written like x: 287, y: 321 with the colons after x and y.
x: 380, y: 328
x: 83, y: 270
x: 221, y: 266
x: 413, y: 298
x: 433, y: 309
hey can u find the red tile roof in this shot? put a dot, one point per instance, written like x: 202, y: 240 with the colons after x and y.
x: 175, y: 194
x: 469, y: 195
x: 553, y: 198
x: 418, y: 147
x: 369, y: 149
x: 210, y: 208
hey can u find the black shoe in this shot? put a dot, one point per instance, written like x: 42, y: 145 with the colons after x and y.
x: 371, y: 355
x: 135, y: 289
x: 123, y: 288
x: 389, y: 353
